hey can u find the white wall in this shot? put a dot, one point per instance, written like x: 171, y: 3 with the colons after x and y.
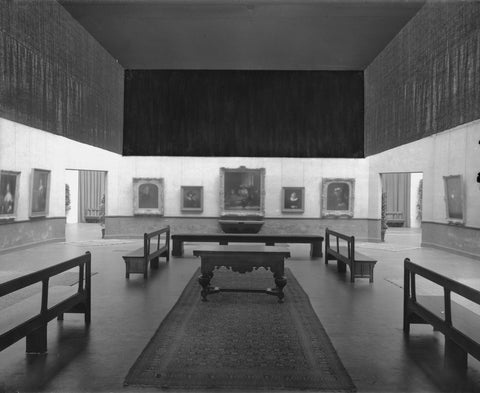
x: 23, y: 148
x: 452, y: 152
x: 205, y: 171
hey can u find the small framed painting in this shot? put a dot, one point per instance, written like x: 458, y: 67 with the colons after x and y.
x: 454, y: 199
x: 293, y: 199
x: 39, y: 193
x: 148, y: 196
x: 337, y: 197
x: 191, y: 198
x: 9, y: 184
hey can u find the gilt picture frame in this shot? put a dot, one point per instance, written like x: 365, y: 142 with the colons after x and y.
x: 293, y: 199
x: 338, y: 197
x: 191, y: 198
x: 454, y: 199
x: 39, y: 193
x: 9, y: 189
x: 148, y: 196
x: 242, y: 191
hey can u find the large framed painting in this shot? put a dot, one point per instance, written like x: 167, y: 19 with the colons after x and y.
x: 191, y: 198
x: 148, y: 196
x: 337, y: 197
x: 9, y: 184
x: 242, y: 191
x: 39, y: 193
x: 454, y: 198
x: 293, y: 199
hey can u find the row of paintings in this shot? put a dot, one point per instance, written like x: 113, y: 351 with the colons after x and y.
x: 241, y: 189
x: 244, y: 195
x: 39, y: 193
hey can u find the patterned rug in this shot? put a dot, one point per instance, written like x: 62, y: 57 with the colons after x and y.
x: 243, y: 341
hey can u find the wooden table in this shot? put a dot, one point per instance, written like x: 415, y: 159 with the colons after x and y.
x: 243, y: 259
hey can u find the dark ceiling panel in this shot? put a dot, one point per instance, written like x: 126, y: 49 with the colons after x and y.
x: 274, y: 35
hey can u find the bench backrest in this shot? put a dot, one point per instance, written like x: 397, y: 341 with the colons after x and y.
x: 350, y: 240
x: 160, y: 246
x: 445, y: 324
x: 43, y: 276
x: 411, y: 270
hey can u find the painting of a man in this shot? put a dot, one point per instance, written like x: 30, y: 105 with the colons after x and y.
x: 192, y: 198
x: 148, y: 196
x: 337, y: 196
x: 293, y: 199
x: 40, y: 192
x: 8, y: 185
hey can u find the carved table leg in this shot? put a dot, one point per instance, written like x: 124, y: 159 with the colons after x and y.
x: 204, y: 281
x: 280, y: 282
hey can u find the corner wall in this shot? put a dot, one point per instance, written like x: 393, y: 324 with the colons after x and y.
x: 24, y: 148
x: 453, y: 152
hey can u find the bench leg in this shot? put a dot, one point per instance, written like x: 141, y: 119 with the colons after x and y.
x: 316, y: 250
x: 177, y: 248
x: 455, y: 356
x: 37, y: 341
x: 127, y: 269
x: 341, y: 267
x: 154, y: 263
x: 60, y: 317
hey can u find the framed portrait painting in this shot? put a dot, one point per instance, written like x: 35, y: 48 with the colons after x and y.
x: 39, y: 193
x: 9, y: 184
x: 191, y: 198
x: 293, y: 199
x: 337, y: 197
x: 454, y: 198
x: 242, y: 191
x: 148, y: 196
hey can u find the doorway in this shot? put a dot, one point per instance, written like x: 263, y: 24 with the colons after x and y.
x: 404, y: 196
x: 84, y: 190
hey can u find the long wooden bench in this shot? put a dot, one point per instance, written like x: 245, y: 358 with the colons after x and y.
x: 459, y: 324
x: 343, y: 250
x: 29, y: 317
x: 315, y: 241
x: 156, y: 244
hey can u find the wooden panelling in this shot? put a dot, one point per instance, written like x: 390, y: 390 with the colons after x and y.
x: 427, y: 79
x: 243, y: 113
x: 55, y: 77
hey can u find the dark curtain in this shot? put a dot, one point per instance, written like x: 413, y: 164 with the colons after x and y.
x: 397, y: 188
x: 91, y: 189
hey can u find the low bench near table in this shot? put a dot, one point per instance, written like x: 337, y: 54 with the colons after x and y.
x: 29, y: 317
x: 315, y: 241
x: 243, y: 259
x: 360, y: 265
x: 137, y: 261
x: 459, y: 324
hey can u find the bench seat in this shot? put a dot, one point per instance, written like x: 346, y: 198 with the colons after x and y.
x: 315, y: 241
x: 361, y: 265
x: 28, y: 317
x: 458, y: 323
x: 155, y: 245
x: 29, y: 307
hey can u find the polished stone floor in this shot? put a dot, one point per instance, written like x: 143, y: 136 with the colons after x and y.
x: 363, y: 320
